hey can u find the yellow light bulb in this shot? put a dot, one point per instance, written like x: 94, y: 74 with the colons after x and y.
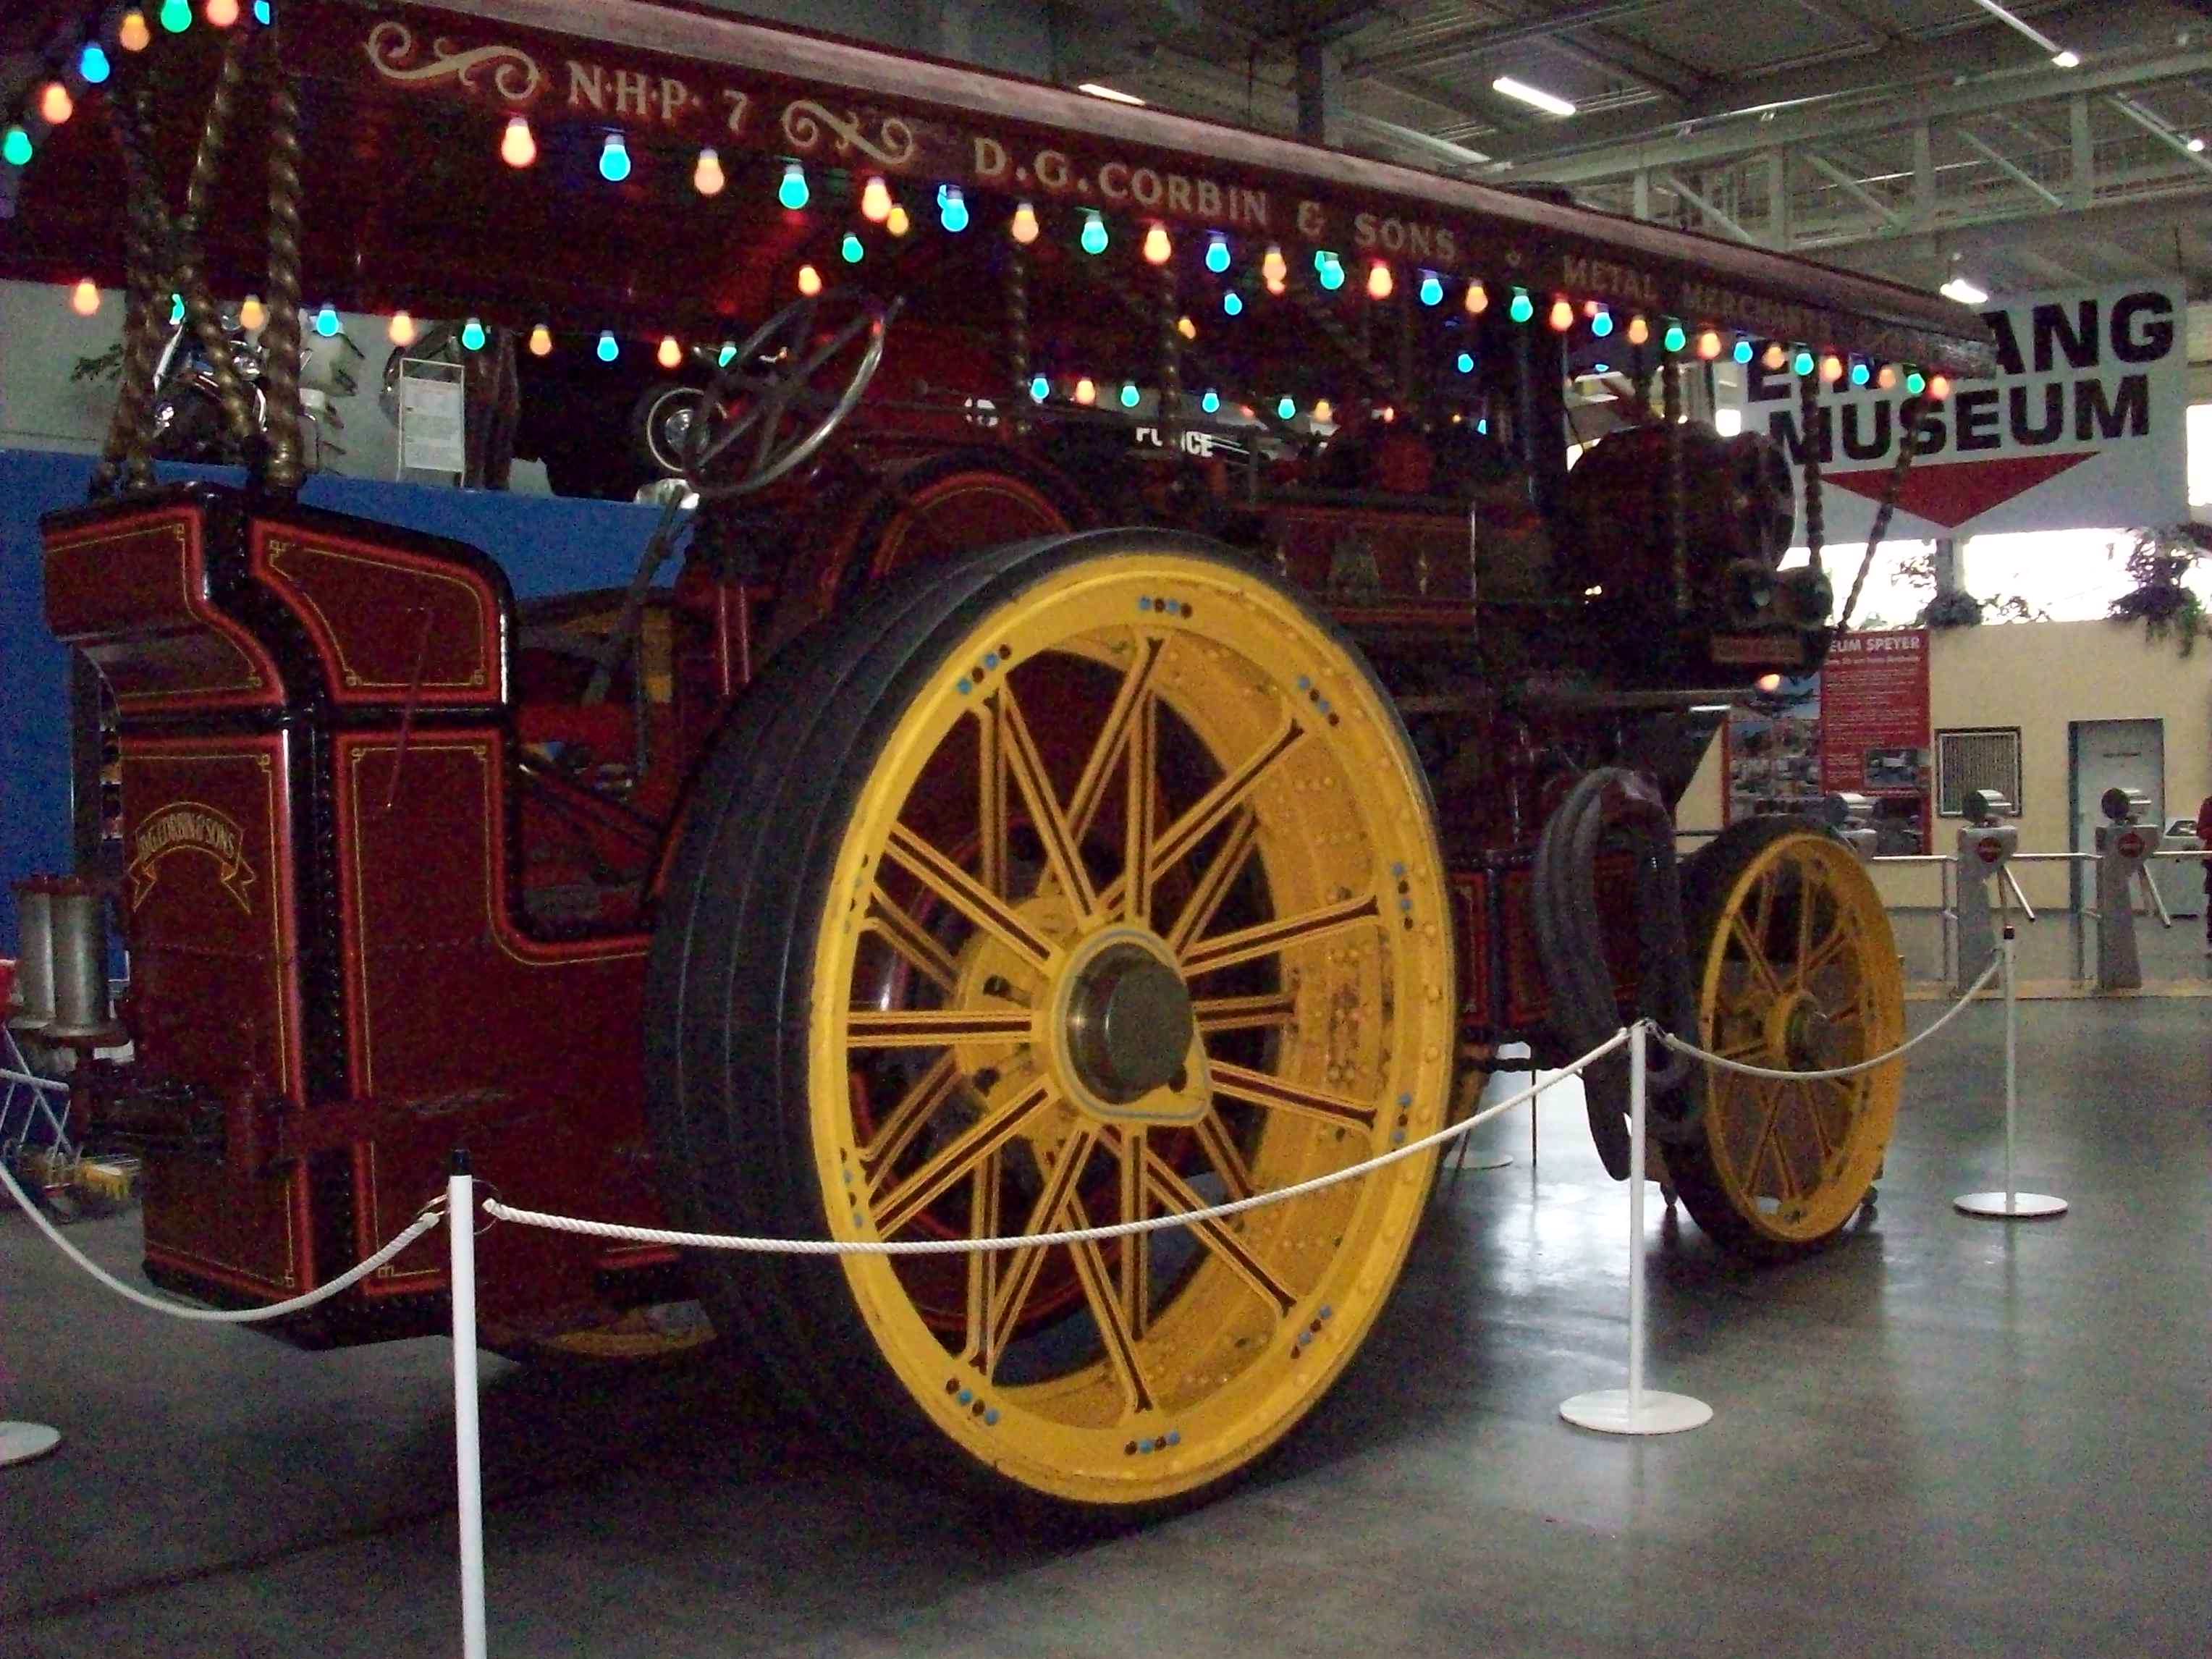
x: 1273, y: 267
x: 671, y: 354
x: 222, y: 13
x: 1379, y: 280
x: 1025, y: 224
x: 55, y: 104
x: 1086, y: 392
x: 1156, y: 246
x: 707, y: 177
x: 1275, y: 286
x: 1478, y: 299
x: 252, y: 313
x: 1187, y: 328
x: 541, y: 340
x: 1323, y: 409
x: 84, y: 299
x: 1831, y: 369
x: 132, y: 34
x: 1886, y: 377
x: 810, y: 280
x: 897, y: 222
x: 875, y: 201
x: 1708, y: 344
x: 1939, y: 387
x: 1563, y: 316
x: 518, y: 147
x: 401, y: 329
x: 1774, y: 356
x: 1639, y: 331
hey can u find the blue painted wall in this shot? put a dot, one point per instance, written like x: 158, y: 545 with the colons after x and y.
x: 547, y: 543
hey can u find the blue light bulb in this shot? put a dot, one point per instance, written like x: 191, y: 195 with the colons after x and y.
x: 1466, y: 363
x: 472, y: 335
x: 1483, y: 425
x: 176, y: 309
x: 1128, y: 394
x: 92, y: 64
x: 792, y: 191
x: 951, y: 209
x: 1039, y: 388
x: 1217, y: 253
x: 1287, y: 407
x: 1094, y: 233
x: 1602, y: 324
x: 722, y: 357
x: 1860, y: 372
x: 1432, y: 289
x: 1522, y: 307
x: 613, y: 159
x: 1211, y: 402
x: 1742, y: 353
x: 326, y: 321
x: 15, y: 148
x: 1804, y: 361
x: 1331, y: 272
x: 263, y: 14
x: 1233, y: 303
x: 851, y: 250
x: 609, y: 347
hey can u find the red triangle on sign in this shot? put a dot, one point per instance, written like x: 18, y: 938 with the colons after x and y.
x: 1951, y: 493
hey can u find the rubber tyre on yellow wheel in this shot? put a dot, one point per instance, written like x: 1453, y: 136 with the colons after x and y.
x: 1796, y: 969
x: 1087, y: 880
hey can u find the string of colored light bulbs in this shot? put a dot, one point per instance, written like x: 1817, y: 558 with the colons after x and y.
x: 878, y: 206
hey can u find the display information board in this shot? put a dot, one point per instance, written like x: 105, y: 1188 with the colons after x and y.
x: 2081, y: 429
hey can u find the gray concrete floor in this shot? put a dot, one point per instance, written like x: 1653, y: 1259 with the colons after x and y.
x: 1945, y: 1437
x: 2058, y: 952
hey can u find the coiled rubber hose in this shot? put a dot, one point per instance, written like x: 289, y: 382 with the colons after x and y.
x: 1614, y: 806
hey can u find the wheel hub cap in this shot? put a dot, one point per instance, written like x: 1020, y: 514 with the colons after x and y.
x: 1127, y: 1038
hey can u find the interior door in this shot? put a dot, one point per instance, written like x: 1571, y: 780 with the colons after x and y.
x: 2116, y: 754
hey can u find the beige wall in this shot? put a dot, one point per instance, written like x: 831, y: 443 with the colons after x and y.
x: 2038, y: 677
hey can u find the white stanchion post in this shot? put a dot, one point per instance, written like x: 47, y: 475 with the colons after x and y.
x: 1632, y: 1410
x: 2010, y: 1205
x: 461, y: 1228
x: 21, y: 1442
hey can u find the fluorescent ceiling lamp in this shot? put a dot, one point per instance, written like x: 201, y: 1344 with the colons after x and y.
x: 1111, y: 94
x: 1551, y: 104
x: 2059, y: 55
x: 1963, y: 291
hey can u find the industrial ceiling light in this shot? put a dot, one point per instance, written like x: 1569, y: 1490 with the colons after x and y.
x: 1550, y: 103
x: 1964, y: 292
x: 1111, y: 94
x: 2059, y: 55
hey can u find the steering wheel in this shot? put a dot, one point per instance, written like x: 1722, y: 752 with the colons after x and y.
x: 768, y: 391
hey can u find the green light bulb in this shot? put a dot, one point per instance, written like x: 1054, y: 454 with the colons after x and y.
x: 1916, y: 383
x: 472, y: 335
x: 1675, y: 339
x: 17, y: 147
x: 1094, y: 233
x: 851, y: 249
x: 1522, y: 307
x: 792, y: 193
x: 176, y: 16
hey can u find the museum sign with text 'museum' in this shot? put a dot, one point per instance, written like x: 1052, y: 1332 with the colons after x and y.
x: 2083, y: 426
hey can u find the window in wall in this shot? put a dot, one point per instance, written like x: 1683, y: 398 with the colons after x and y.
x: 1987, y: 760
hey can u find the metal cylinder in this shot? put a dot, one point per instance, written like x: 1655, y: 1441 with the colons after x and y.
x: 31, y: 1007
x: 80, y: 961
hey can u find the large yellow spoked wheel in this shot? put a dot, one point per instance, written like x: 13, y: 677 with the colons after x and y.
x: 1796, y: 971
x: 1085, y: 881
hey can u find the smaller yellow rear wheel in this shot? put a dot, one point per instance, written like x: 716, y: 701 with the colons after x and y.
x: 1797, y: 970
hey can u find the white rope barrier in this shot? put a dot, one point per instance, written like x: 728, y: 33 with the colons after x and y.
x: 763, y: 1246
x: 422, y: 1223
x: 1681, y: 1046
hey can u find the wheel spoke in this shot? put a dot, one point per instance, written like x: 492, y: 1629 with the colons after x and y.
x: 1243, y: 1014
x: 1820, y: 955
x: 1026, y: 766
x: 1135, y: 1263
x: 890, y: 921
x: 1016, y: 1274
x: 899, y: 1208
x: 932, y: 1028
x: 1244, y: 1084
x: 1137, y: 868
x: 1134, y: 692
x: 1755, y: 953
x: 1268, y: 938
x: 985, y: 1267
x: 1174, y: 1194
x: 1120, y: 1342
x: 1199, y: 820
x: 991, y: 803
x: 916, y: 1108
x: 1205, y: 900
x: 957, y: 889
x: 1220, y: 1149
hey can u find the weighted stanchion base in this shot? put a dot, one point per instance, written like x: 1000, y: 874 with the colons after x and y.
x: 21, y: 1442
x: 2025, y: 1206
x: 1605, y: 1411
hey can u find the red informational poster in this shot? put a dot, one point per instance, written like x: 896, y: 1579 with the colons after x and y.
x: 1873, y: 723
